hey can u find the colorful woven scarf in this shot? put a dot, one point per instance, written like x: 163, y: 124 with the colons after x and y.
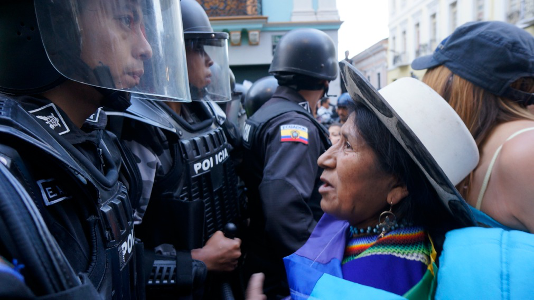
x: 409, y: 243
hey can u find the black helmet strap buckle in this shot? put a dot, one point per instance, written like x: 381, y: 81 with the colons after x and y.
x: 301, y: 82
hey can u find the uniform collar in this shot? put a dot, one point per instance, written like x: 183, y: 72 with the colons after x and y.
x: 54, y: 118
x: 292, y: 95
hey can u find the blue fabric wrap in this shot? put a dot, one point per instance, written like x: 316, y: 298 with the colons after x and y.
x: 330, y: 287
x: 7, y: 269
x: 318, y: 256
x: 314, y: 271
x: 309, y: 280
x: 486, y: 263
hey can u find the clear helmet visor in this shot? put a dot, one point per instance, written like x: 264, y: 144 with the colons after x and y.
x: 127, y: 45
x: 207, y: 66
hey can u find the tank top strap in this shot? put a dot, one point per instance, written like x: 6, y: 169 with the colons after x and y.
x: 490, y: 167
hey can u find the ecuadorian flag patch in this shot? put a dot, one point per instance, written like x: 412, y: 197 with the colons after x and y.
x: 294, y: 133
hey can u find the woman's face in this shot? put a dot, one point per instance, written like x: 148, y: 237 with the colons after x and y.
x: 335, y: 134
x: 198, y: 65
x: 354, y: 189
x: 113, y: 35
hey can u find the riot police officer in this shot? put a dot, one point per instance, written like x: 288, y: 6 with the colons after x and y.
x: 189, y: 184
x: 259, y: 92
x: 60, y: 61
x: 344, y: 107
x: 283, y: 141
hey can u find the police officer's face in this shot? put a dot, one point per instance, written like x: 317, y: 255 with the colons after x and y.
x: 198, y: 65
x: 343, y: 114
x: 113, y: 35
x: 354, y: 189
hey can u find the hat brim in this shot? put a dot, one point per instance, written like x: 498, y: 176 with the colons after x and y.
x: 359, y: 88
x: 425, y: 62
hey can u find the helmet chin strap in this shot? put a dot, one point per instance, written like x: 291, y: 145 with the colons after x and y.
x: 114, y: 99
x: 197, y: 93
x: 325, y: 88
x: 298, y: 82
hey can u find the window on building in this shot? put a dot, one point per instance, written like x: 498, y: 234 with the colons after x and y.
x: 513, y: 15
x: 433, y: 31
x: 417, y: 41
x: 378, y: 86
x: 403, y: 45
x: 479, y: 10
x: 453, y: 15
x: 514, y: 5
x: 392, y: 7
x: 276, y: 39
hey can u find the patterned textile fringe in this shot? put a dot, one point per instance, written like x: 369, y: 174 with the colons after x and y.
x: 409, y: 243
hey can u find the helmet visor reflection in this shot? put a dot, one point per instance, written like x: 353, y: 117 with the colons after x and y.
x: 208, y: 67
x: 128, y: 45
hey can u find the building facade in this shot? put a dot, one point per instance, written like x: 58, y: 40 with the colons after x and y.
x: 256, y: 26
x: 418, y: 26
x: 373, y: 63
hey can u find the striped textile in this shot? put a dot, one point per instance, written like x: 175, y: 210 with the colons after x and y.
x: 409, y: 243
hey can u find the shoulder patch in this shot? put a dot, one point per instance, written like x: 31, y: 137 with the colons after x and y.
x: 51, y: 191
x: 294, y: 133
x: 50, y: 116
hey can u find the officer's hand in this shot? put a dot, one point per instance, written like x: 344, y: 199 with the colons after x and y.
x: 255, y: 287
x: 220, y: 253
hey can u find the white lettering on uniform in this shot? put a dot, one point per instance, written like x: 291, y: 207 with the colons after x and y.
x: 127, y: 246
x: 246, y: 132
x: 197, y: 167
x: 50, y: 192
x: 207, y: 163
x: 221, y: 156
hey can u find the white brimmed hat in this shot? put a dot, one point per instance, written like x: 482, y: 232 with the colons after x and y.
x: 427, y: 128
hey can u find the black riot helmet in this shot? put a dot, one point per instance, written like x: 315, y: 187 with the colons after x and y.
x: 207, y: 55
x: 232, y: 80
x: 260, y: 92
x: 44, y: 42
x: 241, y: 90
x: 24, y: 66
x: 302, y: 53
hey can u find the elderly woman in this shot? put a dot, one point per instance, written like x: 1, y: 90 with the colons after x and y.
x: 485, y: 70
x: 388, y: 196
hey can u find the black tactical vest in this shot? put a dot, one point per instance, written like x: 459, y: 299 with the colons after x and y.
x: 67, y: 188
x: 199, y: 194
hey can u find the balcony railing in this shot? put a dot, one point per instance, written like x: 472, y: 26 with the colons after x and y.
x: 524, y: 14
x: 423, y: 49
x: 230, y: 8
x: 400, y: 59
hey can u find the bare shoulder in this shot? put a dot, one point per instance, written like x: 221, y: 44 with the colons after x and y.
x: 519, y: 149
x: 515, y: 170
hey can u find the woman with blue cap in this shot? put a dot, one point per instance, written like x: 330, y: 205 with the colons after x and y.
x: 485, y: 70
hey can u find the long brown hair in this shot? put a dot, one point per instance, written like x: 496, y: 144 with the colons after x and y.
x: 480, y: 110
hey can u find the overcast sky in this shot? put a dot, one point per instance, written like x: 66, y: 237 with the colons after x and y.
x: 365, y: 22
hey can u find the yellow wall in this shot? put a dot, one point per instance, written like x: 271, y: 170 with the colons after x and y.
x: 399, y: 72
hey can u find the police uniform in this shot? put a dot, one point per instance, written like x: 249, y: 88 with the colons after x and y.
x: 282, y: 178
x: 189, y: 191
x: 74, y: 232
x: 72, y: 177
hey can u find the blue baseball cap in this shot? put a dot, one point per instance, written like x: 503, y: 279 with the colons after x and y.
x: 491, y: 55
